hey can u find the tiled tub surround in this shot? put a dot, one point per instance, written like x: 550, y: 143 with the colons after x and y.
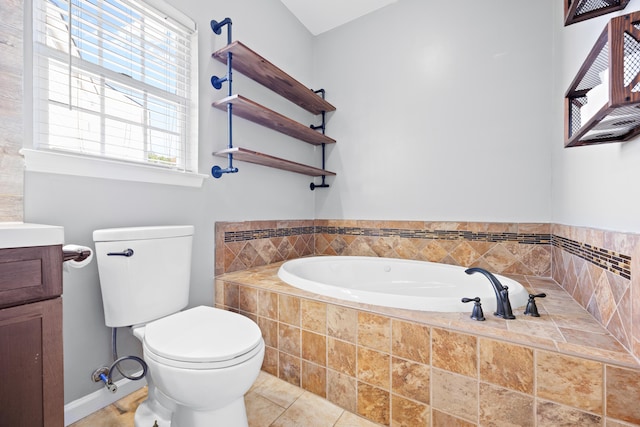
x: 598, y: 268
x: 409, y: 368
x: 500, y: 247
x: 601, y: 270
x: 594, y: 266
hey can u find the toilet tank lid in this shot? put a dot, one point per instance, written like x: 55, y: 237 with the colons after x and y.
x: 142, y: 233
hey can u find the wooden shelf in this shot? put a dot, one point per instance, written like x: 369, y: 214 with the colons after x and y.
x: 580, y: 10
x: 602, y: 103
x: 252, y: 111
x: 264, y: 72
x: 255, y: 157
x: 257, y: 68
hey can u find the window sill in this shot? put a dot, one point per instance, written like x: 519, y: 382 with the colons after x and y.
x: 69, y: 164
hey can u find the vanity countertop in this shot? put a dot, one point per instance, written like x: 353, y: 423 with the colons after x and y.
x: 20, y: 234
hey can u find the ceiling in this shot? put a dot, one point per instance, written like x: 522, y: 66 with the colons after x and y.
x: 323, y: 15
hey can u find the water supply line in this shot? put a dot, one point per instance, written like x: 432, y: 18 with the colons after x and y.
x: 105, y: 374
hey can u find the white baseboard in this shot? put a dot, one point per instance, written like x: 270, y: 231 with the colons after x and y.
x: 87, y: 405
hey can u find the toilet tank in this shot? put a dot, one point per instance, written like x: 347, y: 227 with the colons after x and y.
x: 144, y: 272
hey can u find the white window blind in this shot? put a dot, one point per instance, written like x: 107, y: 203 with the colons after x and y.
x: 115, y: 79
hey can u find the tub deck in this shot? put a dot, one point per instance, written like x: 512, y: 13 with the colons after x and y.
x: 563, y: 326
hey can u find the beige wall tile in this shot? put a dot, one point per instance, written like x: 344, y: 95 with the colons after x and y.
x: 248, y: 255
x: 500, y: 407
x: 410, y: 341
x: 342, y: 323
x: 373, y: 403
x: 231, y: 261
x: 454, y: 352
x: 455, y: 394
x: 289, y: 368
x: 553, y: 414
x: 231, y: 295
x: 289, y: 309
x: 313, y: 316
x: 270, y: 361
x: 248, y: 299
x: 410, y: 379
x: 341, y: 390
x: 506, y: 365
x: 314, y: 378
x: 219, y: 293
x: 314, y: 347
x: 623, y: 394
x: 374, y: 367
x: 341, y: 356
x: 374, y: 331
x: 465, y: 254
x: 570, y: 380
x: 268, y: 304
x: 407, y: 413
x: 289, y: 339
x: 269, y: 330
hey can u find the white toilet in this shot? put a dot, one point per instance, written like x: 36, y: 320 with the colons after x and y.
x: 201, y: 361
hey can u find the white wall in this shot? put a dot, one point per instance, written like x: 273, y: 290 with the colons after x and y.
x: 82, y: 205
x: 593, y: 186
x: 443, y: 112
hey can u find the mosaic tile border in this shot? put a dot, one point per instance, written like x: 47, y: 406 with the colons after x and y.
x: 522, y: 238
x: 493, y: 237
x: 266, y: 233
x: 614, y: 262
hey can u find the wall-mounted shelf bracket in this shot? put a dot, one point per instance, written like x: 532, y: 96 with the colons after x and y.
x: 257, y: 68
x: 216, y: 82
x: 322, y: 128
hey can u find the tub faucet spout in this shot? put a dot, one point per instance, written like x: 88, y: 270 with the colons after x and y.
x: 503, y: 305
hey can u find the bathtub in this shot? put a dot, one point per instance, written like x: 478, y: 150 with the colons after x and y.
x: 413, y: 285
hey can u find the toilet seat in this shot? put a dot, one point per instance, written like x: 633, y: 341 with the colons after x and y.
x: 202, y: 338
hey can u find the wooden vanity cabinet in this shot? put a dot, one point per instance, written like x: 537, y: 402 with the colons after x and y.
x: 31, y: 365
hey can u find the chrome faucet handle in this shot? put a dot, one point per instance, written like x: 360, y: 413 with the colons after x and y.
x: 532, y: 308
x: 476, y: 313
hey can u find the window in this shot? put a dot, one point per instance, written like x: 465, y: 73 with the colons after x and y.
x: 115, y: 79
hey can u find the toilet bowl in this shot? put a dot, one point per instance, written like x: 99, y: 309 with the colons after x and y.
x: 201, y: 361
x: 204, y: 360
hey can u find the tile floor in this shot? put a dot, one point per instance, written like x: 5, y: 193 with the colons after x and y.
x: 271, y: 402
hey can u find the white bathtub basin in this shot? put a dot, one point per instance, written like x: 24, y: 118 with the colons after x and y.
x: 414, y: 285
